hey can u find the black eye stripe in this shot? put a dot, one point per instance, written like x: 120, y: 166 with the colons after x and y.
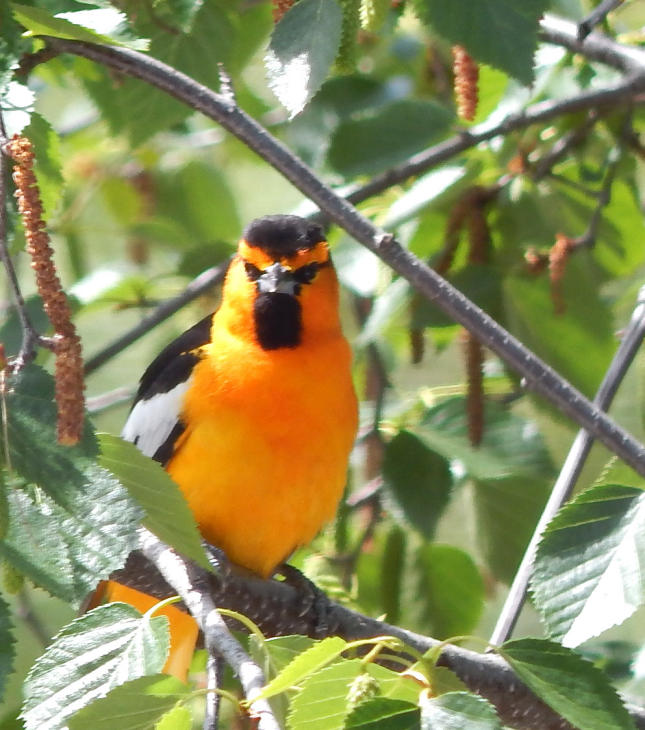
x: 303, y: 275
x: 252, y: 271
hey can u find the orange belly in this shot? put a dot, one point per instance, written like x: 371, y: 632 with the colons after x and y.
x: 263, y: 462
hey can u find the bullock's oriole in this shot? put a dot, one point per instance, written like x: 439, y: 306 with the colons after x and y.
x: 252, y: 411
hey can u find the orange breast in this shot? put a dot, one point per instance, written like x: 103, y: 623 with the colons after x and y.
x: 263, y: 460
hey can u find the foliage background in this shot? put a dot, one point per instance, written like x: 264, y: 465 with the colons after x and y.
x: 141, y: 195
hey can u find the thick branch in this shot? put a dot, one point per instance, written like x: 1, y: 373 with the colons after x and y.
x: 192, y: 584
x: 277, y: 609
x: 539, y: 376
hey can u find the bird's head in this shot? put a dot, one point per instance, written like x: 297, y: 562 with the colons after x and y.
x: 282, y: 276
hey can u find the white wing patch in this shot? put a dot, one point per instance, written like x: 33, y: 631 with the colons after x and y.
x: 151, y: 420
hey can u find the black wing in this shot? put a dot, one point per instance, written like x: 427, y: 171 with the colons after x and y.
x: 154, y: 423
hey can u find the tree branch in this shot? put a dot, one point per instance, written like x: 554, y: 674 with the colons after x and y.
x: 277, y: 608
x: 192, y: 584
x: 538, y: 376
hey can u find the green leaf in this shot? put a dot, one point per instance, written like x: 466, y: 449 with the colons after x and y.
x: 167, y: 513
x: 11, y: 330
x: 569, y: 684
x: 93, y: 654
x: 320, y: 654
x: 368, y: 145
x: 187, y: 196
x: 443, y: 592
x: 137, y: 108
x: 39, y: 22
x: 588, y: 572
x: 457, y: 710
x: 418, y: 480
x: 322, y: 703
x: 302, y: 49
x: 507, y: 511
x: 7, y: 649
x: 503, y: 33
x: 47, y: 166
x: 511, y: 445
x: 392, y: 566
x: 383, y: 713
x: 140, y: 704
x: 586, y: 326
x: 68, y: 552
x: 179, y: 718
x: 275, y: 653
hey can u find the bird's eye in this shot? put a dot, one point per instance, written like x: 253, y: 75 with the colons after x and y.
x: 252, y: 271
x: 307, y: 273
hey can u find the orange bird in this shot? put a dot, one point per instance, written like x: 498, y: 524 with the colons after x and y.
x: 252, y: 411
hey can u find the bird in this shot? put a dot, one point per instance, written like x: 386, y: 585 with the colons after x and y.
x: 252, y: 411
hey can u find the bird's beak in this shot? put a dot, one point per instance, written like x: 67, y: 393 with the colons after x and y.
x: 277, y: 279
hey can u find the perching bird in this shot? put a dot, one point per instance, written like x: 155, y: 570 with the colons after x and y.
x: 252, y: 411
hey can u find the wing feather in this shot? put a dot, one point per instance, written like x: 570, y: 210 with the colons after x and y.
x: 154, y: 423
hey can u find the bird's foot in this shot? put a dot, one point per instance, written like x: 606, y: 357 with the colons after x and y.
x: 314, y: 600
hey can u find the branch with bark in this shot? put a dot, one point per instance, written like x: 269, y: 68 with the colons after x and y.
x: 278, y: 610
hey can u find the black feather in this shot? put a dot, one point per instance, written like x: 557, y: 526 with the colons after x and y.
x: 174, y: 364
x: 278, y: 320
x: 283, y: 235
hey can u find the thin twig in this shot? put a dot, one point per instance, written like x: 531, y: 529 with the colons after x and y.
x: 214, y: 671
x: 588, y: 238
x: 193, y: 585
x: 537, y: 374
x: 571, y: 469
x: 198, y: 286
x: 563, y: 145
x: 595, y: 17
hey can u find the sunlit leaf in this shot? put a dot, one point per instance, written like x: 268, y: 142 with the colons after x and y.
x: 303, y: 47
x: 95, y: 653
x: 588, y: 573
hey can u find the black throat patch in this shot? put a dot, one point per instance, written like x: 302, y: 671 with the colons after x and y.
x: 278, y: 320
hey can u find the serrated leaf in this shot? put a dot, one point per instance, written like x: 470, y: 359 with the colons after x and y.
x: 67, y: 553
x: 320, y: 654
x: 78, y: 524
x: 275, y: 653
x: 302, y: 49
x: 369, y: 145
x: 179, y: 718
x: 502, y: 33
x: 588, y: 572
x: 140, y: 704
x: 7, y: 642
x: 102, y: 649
x: 39, y: 22
x: 167, y: 513
x: 458, y: 710
x: 47, y: 165
x: 321, y: 703
x: 383, y: 713
x: 443, y: 592
x: 569, y: 684
x: 418, y: 480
